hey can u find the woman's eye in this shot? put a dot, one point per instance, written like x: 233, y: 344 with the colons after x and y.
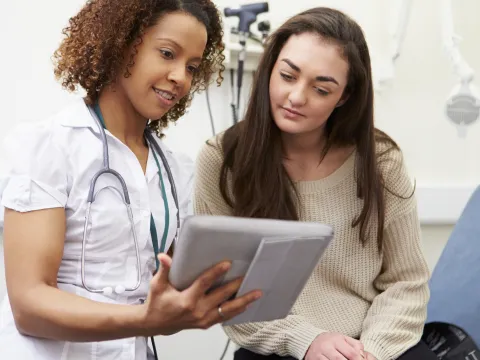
x: 321, y: 92
x: 286, y: 76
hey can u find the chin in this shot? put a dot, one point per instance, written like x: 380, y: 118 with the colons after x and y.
x: 292, y: 127
x: 154, y: 113
x: 152, y: 109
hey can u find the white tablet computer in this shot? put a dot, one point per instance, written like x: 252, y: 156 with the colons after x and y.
x: 275, y: 256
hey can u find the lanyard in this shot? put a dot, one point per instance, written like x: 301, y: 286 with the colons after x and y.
x: 153, y: 228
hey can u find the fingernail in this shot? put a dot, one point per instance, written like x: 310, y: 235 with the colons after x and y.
x: 226, y: 266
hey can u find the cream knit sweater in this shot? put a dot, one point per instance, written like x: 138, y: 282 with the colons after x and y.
x: 379, y: 299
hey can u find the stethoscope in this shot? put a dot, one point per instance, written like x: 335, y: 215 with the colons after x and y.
x: 120, y: 289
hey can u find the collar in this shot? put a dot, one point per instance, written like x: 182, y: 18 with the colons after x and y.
x: 77, y: 115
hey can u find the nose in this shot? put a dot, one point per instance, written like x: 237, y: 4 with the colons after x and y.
x: 178, y: 76
x: 297, y: 96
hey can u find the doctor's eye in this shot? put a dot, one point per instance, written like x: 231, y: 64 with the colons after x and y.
x: 167, y: 54
x: 192, y: 69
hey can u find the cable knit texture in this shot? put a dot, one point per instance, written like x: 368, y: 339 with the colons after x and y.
x: 378, y: 298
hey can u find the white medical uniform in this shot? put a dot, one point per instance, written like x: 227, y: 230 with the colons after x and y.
x: 52, y: 164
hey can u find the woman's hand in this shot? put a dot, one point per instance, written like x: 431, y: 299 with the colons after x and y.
x: 168, y: 311
x: 369, y: 356
x: 335, y: 346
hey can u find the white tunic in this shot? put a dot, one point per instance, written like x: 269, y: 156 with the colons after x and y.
x: 52, y: 164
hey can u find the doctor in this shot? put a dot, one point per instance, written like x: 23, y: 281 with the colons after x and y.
x: 94, y: 197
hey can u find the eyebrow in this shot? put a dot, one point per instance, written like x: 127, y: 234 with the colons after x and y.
x: 318, y: 78
x: 178, y: 46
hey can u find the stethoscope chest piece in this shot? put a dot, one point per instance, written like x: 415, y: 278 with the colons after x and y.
x: 108, y: 291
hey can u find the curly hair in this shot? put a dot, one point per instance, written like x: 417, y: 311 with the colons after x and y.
x: 96, y: 39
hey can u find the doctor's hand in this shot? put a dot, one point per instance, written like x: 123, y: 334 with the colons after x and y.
x: 167, y: 310
x: 335, y: 346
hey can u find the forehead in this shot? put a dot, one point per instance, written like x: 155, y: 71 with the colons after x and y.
x: 315, y: 56
x: 182, y: 28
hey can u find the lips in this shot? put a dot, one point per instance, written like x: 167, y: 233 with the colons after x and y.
x: 290, y: 113
x: 166, y: 97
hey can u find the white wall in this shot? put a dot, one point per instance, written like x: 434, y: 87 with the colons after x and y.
x: 411, y: 109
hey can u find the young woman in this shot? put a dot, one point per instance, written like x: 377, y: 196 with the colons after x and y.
x: 308, y: 150
x: 81, y: 246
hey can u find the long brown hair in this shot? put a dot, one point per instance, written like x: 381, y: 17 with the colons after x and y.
x: 261, y: 187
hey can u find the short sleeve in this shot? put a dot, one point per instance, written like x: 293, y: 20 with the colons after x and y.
x: 36, y: 174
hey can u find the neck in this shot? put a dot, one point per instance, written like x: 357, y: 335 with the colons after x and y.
x: 303, y: 146
x: 121, y: 118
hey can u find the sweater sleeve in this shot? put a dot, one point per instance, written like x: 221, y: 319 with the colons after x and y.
x: 396, y: 318
x: 291, y: 336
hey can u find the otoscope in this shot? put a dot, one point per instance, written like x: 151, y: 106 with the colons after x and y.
x: 247, y: 15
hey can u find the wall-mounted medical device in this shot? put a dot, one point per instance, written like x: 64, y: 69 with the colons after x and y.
x: 463, y: 104
x: 247, y: 15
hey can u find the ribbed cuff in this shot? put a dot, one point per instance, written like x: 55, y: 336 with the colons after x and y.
x: 300, y: 339
x: 377, y: 350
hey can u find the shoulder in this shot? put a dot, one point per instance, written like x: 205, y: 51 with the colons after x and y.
x: 399, y: 186
x: 212, y: 149
x: 389, y: 157
x: 36, y: 165
x: 209, y: 164
x: 392, y: 166
x: 36, y: 137
x: 211, y: 182
x: 50, y: 131
x: 210, y: 156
